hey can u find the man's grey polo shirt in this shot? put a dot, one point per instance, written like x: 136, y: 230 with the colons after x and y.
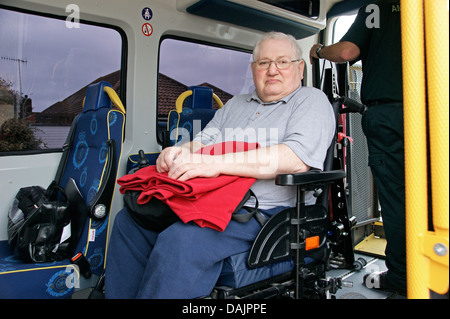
x: 303, y: 120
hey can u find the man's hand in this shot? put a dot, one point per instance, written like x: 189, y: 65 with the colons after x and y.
x: 189, y: 165
x: 180, y: 163
x: 166, y: 158
x: 312, y: 52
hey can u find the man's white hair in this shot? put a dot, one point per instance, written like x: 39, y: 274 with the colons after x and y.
x: 297, y: 52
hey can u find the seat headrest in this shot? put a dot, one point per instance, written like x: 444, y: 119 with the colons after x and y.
x: 201, y: 98
x: 96, y: 97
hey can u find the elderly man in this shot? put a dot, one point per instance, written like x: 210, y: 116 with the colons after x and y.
x: 293, y: 126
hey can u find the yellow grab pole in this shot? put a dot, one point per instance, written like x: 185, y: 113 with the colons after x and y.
x: 436, y: 246
x: 413, y: 63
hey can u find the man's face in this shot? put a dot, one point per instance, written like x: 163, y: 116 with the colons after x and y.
x: 273, y: 84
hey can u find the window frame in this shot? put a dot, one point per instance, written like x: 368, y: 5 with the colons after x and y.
x: 190, y: 41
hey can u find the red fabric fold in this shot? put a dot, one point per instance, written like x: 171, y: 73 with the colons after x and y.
x: 209, y: 202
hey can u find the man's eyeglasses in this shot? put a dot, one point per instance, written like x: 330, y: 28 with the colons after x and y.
x: 281, y: 64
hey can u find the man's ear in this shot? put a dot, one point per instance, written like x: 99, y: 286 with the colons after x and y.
x: 252, y: 65
x: 301, y: 67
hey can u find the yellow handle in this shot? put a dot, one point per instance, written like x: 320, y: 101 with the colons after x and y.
x: 425, y: 29
x: 184, y: 95
x: 114, y: 98
x: 415, y: 145
x: 180, y: 100
x: 437, y: 66
x: 218, y: 100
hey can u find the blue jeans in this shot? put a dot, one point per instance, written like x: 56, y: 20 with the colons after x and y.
x: 183, y: 261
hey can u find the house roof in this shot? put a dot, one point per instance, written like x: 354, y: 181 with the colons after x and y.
x: 169, y: 89
x: 72, y: 105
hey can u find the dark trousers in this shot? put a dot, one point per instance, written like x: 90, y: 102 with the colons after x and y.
x: 383, y: 126
x: 183, y: 261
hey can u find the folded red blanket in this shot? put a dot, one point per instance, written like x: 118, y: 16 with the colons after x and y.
x: 209, y: 202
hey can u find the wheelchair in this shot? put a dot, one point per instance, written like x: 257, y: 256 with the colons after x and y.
x: 295, y: 247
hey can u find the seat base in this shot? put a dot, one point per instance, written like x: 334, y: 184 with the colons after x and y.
x: 236, y: 274
x: 274, y: 280
x: 39, y: 280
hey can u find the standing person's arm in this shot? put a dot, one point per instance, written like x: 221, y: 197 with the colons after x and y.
x: 339, y: 52
x: 351, y: 47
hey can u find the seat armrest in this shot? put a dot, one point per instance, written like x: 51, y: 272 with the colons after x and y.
x: 310, y: 177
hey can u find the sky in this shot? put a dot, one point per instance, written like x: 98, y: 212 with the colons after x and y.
x: 230, y: 71
x: 61, y: 60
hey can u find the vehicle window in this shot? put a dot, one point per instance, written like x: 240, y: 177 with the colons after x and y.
x: 45, y: 66
x: 355, y: 71
x: 341, y: 26
x: 225, y: 70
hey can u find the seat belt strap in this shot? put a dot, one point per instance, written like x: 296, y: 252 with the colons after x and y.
x: 66, y: 150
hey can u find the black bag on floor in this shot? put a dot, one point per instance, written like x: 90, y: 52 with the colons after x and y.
x: 39, y: 228
x: 154, y: 215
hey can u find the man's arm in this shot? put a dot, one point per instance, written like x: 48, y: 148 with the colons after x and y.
x: 339, y: 52
x: 263, y: 163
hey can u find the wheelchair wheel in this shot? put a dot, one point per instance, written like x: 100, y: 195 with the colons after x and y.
x: 359, y: 264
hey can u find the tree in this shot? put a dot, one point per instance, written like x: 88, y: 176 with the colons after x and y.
x: 16, y: 135
x: 6, y: 93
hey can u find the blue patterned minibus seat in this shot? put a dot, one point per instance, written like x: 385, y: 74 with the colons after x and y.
x: 86, y: 164
x: 196, y: 112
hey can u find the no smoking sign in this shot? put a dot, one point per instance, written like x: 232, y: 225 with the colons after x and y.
x: 147, y: 29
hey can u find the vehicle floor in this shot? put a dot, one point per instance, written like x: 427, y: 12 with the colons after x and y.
x: 358, y: 289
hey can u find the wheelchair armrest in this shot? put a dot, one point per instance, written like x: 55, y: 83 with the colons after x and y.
x: 310, y: 177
